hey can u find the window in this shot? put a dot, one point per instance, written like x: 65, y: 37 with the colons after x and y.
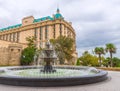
x: 3, y: 37
x: 12, y: 50
x: 41, y: 33
x: 64, y: 30
x: 13, y: 37
x: 46, y: 32
x: 9, y: 37
x: 18, y: 33
x: 18, y: 50
x: 54, y: 31
x: 35, y: 33
x: 41, y: 45
x: 60, y: 29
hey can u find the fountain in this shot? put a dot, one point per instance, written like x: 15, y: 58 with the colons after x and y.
x: 48, y: 58
x: 48, y: 75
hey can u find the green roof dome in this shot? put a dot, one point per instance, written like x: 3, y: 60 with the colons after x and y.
x: 58, y: 15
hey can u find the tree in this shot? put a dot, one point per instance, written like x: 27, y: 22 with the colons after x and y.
x: 31, y: 41
x: 64, y: 48
x: 99, y: 51
x: 88, y: 60
x: 78, y: 62
x: 116, y: 62
x: 111, y: 49
x: 28, y: 53
x: 106, y: 62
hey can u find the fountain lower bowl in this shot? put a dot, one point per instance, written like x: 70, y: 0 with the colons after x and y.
x: 51, y: 81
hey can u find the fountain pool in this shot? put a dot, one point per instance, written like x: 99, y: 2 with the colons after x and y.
x: 64, y: 76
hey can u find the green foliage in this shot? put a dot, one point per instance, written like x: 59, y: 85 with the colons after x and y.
x: 111, y: 49
x: 31, y: 41
x: 27, y: 55
x: 78, y: 62
x: 64, y: 48
x: 107, y: 62
x: 116, y: 62
x: 99, y: 51
x: 88, y: 60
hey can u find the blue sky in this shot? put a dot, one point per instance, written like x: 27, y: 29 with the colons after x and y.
x: 96, y: 22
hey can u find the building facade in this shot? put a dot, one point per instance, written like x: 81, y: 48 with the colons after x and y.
x: 42, y: 29
x: 10, y: 55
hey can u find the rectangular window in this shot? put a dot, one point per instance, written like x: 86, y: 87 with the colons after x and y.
x: 60, y: 29
x: 46, y: 32
x: 64, y: 31
x: 18, y: 34
x: 35, y: 33
x: 13, y: 37
x: 54, y: 31
x: 3, y: 37
x: 7, y: 37
x: 41, y: 35
x: 41, y: 44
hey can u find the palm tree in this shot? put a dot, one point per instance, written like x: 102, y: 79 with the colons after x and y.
x: 64, y: 47
x: 99, y: 51
x: 111, y: 49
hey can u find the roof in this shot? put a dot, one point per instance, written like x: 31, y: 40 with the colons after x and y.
x: 43, y: 19
x: 56, y: 16
x: 11, y: 27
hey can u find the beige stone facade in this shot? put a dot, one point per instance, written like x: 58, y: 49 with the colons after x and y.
x: 42, y: 28
x: 10, y: 55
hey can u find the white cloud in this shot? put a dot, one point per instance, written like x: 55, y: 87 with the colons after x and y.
x: 96, y: 22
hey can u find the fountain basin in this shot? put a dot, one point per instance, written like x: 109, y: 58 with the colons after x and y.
x: 47, y: 80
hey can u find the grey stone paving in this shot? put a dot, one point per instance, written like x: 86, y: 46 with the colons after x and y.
x: 112, y: 84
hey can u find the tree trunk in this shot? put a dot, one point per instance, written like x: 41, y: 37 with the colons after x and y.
x: 100, y: 59
x: 111, y: 63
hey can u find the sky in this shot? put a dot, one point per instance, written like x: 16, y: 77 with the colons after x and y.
x: 96, y: 22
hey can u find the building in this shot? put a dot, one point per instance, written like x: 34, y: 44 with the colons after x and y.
x: 43, y: 29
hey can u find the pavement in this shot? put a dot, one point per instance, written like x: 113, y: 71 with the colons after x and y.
x: 111, y: 84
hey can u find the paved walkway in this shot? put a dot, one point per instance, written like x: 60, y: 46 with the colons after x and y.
x: 112, y: 84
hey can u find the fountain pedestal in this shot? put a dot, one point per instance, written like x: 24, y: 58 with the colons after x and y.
x: 48, y: 67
